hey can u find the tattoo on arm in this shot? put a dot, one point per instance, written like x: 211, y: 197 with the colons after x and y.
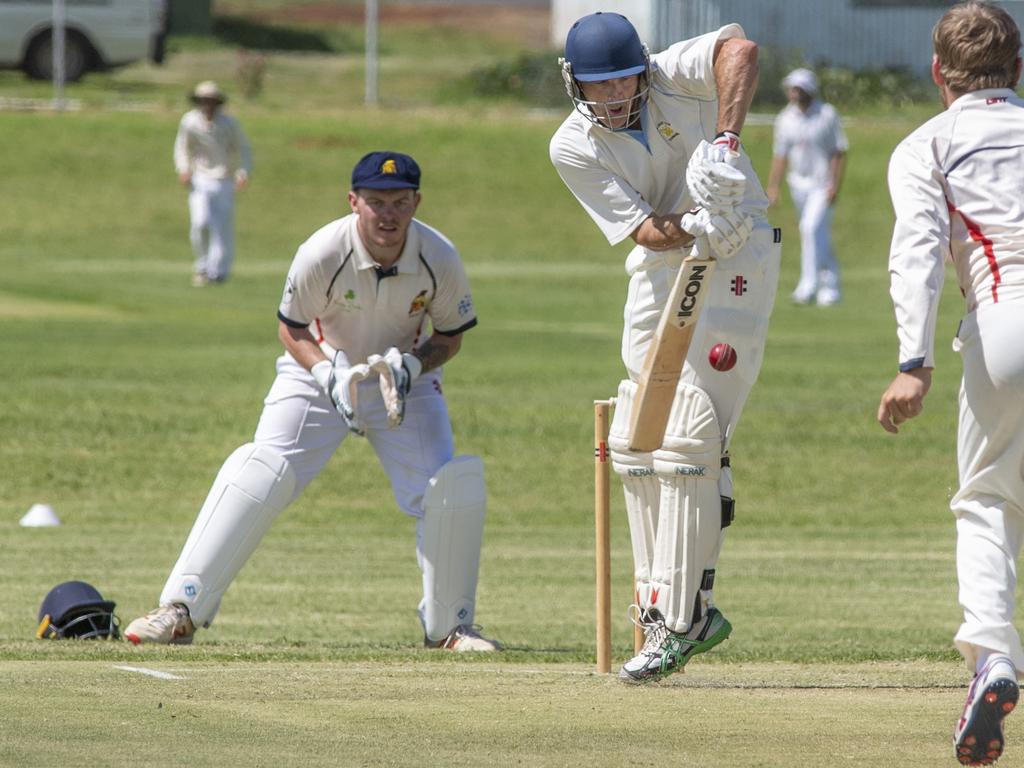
x: 432, y: 354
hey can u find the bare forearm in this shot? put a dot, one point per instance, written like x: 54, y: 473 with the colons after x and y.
x: 661, y: 233
x: 837, y: 166
x: 736, y: 72
x: 301, y: 345
x: 437, y: 350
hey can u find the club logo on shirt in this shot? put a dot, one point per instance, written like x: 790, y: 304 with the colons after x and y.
x: 666, y: 130
x: 419, y: 303
x: 289, y: 290
x: 998, y: 100
x: 465, y: 305
x: 348, y: 302
x: 739, y: 285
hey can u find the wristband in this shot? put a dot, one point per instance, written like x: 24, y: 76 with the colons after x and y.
x: 730, y: 139
x: 322, y: 373
x: 412, y: 364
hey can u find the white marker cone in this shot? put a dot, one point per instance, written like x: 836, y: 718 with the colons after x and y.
x: 40, y: 516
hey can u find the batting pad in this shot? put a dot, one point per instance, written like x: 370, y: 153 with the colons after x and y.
x: 689, y: 533
x: 253, y: 486
x: 448, y: 541
x: 640, y: 486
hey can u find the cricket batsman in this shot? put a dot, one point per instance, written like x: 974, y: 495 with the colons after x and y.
x: 644, y: 151
x: 957, y: 187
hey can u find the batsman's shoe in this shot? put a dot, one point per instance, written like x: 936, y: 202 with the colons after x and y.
x: 665, y: 652
x: 167, y: 625
x: 465, y: 637
x: 993, y: 694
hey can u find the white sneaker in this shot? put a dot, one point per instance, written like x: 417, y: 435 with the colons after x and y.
x: 465, y: 637
x: 828, y: 298
x: 978, y: 737
x: 167, y: 625
x: 665, y: 652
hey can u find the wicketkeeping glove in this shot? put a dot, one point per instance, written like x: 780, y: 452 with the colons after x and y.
x: 714, y: 183
x: 397, y: 373
x: 340, y: 381
x: 726, y: 231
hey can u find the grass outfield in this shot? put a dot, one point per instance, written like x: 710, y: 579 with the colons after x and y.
x: 125, y: 388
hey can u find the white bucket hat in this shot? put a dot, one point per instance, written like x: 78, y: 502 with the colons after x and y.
x: 803, y: 79
x: 208, y: 90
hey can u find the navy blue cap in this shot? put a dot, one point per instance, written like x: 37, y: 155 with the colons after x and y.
x: 604, y: 46
x: 386, y: 170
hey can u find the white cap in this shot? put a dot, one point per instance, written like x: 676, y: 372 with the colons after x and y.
x: 40, y: 516
x: 803, y: 79
x: 208, y: 90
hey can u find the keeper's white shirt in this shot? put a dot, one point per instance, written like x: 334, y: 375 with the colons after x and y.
x: 957, y: 192
x: 216, y: 149
x: 808, y: 140
x: 336, y: 289
x: 617, y: 179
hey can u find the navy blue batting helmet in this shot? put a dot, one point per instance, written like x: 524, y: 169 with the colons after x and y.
x: 603, y: 46
x: 600, y: 47
x: 76, y: 609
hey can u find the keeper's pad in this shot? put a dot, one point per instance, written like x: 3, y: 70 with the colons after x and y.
x: 640, y: 486
x: 448, y: 540
x: 690, y: 520
x: 253, y: 486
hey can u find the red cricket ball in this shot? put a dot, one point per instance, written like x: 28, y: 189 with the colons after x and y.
x: 722, y: 357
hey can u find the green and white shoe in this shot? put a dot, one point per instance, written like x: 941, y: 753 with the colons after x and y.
x: 665, y: 652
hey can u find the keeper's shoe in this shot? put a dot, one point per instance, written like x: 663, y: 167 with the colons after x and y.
x: 465, y: 637
x: 978, y: 738
x: 167, y: 625
x: 665, y: 652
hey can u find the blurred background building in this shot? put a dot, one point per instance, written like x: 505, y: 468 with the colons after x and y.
x: 857, y: 34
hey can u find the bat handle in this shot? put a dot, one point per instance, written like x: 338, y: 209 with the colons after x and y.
x: 701, y: 248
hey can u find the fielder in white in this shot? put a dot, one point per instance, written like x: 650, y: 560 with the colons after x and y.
x: 635, y: 153
x: 810, y: 144
x: 213, y: 160
x: 374, y: 304
x: 957, y: 186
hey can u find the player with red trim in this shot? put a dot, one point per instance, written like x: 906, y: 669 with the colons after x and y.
x: 957, y: 186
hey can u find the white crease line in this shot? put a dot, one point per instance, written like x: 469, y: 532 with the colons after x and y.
x: 151, y: 672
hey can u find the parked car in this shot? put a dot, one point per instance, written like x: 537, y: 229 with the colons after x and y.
x: 99, y: 34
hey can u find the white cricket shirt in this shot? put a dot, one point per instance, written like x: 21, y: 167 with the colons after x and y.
x: 808, y: 140
x: 957, y: 186
x: 337, y: 290
x: 619, y: 181
x: 215, y: 149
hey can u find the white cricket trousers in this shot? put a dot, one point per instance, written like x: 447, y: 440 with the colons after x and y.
x: 211, y: 205
x: 989, y: 505
x: 819, y: 269
x: 300, y: 423
x: 736, y: 312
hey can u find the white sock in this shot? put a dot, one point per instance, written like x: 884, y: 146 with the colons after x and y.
x: 997, y: 659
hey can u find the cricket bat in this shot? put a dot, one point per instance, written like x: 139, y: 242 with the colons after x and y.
x: 664, y: 361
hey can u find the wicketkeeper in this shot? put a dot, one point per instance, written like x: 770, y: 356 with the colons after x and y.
x: 644, y: 152
x: 374, y: 304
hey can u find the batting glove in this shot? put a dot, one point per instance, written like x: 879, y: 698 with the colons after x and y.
x: 397, y: 372
x: 726, y: 231
x: 341, y: 383
x: 712, y: 181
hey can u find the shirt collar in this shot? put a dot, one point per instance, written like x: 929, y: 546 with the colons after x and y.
x: 985, y: 94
